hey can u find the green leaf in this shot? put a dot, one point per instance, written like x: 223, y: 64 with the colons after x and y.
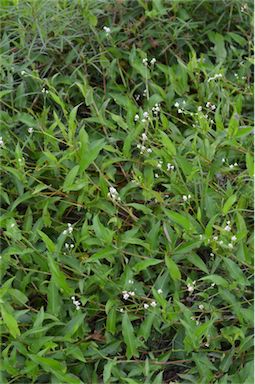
x: 129, y: 337
x: 47, y: 241
x: 103, y: 233
x: 249, y: 164
x: 54, y: 302
x: 50, y: 365
x: 10, y: 322
x: 172, y: 268
x: 198, y: 262
x: 168, y: 144
x: 69, y: 180
x: 179, y: 219
x: 90, y: 153
x: 59, y: 277
x: 73, y: 325
x: 228, y: 204
x: 145, y: 264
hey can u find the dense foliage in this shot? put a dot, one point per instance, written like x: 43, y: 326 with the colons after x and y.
x: 126, y: 191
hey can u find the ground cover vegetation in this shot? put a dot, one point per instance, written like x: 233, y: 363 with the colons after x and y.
x: 126, y: 191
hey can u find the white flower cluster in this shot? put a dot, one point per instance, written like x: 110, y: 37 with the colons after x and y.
x: 231, y: 166
x: 76, y: 303
x: 244, y: 8
x: 23, y: 73
x: 170, y: 167
x: 113, y: 194
x: 156, y: 109
x: 228, y: 227
x: 159, y: 165
x: 186, y: 198
x: 68, y: 230
x: 152, y: 304
x: 152, y: 62
x: 30, y: 130
x: 210, y: 105
x: 142, y: 147
x: 216, y: 76
x: 1, y: 142
x: 107, y: 30
x: 45, y: 90
x: 127, y: 294
x: 145, y: 117
x: 177, y: 105
x: 191, y: 286
x: 67, y: 246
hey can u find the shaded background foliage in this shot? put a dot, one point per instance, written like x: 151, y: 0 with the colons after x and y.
x: 78, y: 88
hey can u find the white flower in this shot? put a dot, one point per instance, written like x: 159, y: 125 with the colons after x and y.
x: 184, y: 198
x: 236, y: 165
x: 231, y: 166
x: 107, y: 30
x: 199, y: 108
x: 189, y: 196
x: 68, y: 230
x: 113, y: 194
x: 145, y: 61
x: 156, y: 175
x: 146, y: 306
x: 143, y: 120
x: 153, y: 304
x: 23, y: 73
x: 125, y: 296
x: 1, y: 142
x: 177, y: 104
x: 201, y: 307
x: 121, y: 310
x: 136, y: 118
x: 170, y: 167
x: 144, y: 136
x: 208, y: 104
x: 66, y: 245
x: 131, y: 293
x: 227, y: 228
x: 45, y: 90
x: 71, y: 245
x: 159, y: 165
x: 190, y: 287
x: 223, y: 160
x: 146, y: 115
x: 211, y: 254
x: 213, y: 107
x: 197, y: 322
x: 159, y: 291
x: 220, y: 242
x: 230, y: 246
x: 12, y: 225
x: 76, y: 303
x: 233, y: 238
x: 179, y: 110
x: 149, y: 150
x: 206, y: 344
x: 212, y: 285
x: 131, y: 281
x: 30, y: 130
x: 153, y: 61
x: 215, y: 238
